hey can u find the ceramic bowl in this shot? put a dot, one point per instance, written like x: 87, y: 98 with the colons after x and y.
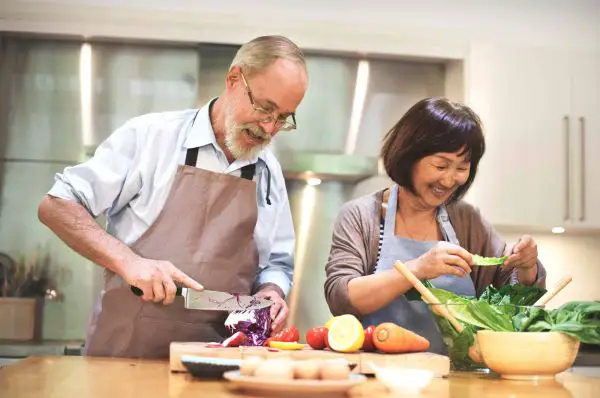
x: 404, y: 381
x: 527, y: 355
x: 208, y: 367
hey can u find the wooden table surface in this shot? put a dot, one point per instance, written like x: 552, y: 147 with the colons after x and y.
x: 82, y: 377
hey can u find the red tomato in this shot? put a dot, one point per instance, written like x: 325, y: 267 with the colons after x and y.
x: 291, y: 335
x: 315, y: 337
x: 368, y: 345
x: 288, y: 335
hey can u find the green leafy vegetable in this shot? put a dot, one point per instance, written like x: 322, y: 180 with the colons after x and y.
x: 509, y: 309
x: 578, y: 319
x: 458, y: 345
x: 517, y: 294
x: 414, y: 295
x: 533, y: 319
x: 476, y: 313
x: 488, y: 261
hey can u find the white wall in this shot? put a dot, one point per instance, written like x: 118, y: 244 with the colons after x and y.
x: 433, y: 28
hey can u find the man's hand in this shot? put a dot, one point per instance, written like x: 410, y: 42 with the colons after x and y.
x: 279, y: 309
x: 157, y: 279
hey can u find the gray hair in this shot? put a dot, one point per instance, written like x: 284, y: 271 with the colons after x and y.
x: 259, y: 53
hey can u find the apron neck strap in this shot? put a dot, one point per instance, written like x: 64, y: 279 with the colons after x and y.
x: 446, y: 226
x: 248, y: 171
x: 191, y: 157
x: 390, y: 213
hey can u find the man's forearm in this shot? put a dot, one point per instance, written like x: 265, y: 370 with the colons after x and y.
x: 74, y: 226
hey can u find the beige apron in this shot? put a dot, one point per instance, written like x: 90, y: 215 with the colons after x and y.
x: 205, y: 229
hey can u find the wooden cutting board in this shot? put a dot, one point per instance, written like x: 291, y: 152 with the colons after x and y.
x: 439, y: 364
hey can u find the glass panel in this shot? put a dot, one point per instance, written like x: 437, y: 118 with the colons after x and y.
x: 41, y: 89
x: 214, y: 65
x: 130, y: 80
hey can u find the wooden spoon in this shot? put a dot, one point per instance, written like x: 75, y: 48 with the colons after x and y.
x: 436, y: 305
x: 564, y: 281
x: 428, y: 297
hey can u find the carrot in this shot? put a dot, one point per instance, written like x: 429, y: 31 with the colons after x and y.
x: 391, y: 338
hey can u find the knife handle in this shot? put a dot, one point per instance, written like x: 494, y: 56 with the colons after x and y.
x: 138, y: 292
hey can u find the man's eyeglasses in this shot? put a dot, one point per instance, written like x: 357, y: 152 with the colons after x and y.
x: 284, y: 123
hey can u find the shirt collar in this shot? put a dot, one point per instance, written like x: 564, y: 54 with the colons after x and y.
x: 201, y: 132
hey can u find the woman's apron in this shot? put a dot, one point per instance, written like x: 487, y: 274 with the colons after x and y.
x: 415, y: 315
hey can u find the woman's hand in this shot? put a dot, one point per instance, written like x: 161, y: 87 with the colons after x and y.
x: 442, y: 259
x: 522, y: 254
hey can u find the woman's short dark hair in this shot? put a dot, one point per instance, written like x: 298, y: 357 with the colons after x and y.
x: 430, y: 126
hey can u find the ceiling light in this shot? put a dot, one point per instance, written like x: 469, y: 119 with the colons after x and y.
x: 558, y: 230
x: 313, y: 181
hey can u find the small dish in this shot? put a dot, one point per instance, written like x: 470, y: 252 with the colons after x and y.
x: 208, y: 367
x: 405, y: 381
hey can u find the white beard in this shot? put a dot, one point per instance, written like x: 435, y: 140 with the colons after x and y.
x: 234, y: 138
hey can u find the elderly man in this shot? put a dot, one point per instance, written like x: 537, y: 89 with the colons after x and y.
x: 192, y: 198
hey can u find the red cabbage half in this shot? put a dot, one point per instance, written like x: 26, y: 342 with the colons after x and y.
x: 255, y: 324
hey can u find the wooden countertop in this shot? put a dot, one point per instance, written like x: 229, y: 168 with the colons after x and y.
x: 84, y: 377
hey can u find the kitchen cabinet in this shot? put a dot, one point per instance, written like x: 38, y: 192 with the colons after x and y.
x: 539, y: 108
x: 585, y: 134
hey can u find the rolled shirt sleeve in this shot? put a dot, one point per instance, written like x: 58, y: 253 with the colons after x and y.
x: 104, y: 180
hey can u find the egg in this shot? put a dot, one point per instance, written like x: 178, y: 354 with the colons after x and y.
x: 335, y: 369
x: 307, y: 369
x: 275, y: 368
x: 249, y: 365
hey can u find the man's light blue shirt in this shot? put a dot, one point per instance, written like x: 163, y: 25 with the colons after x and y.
x: 130, y: 175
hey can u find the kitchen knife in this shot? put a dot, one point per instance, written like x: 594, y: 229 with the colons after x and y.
x: 212, y: 300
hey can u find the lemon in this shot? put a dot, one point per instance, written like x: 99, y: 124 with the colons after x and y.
x: 282, y: 345
x: 346, y: 334
x: 329, y: 322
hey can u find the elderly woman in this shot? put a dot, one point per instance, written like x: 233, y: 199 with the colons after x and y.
x: 431, y: 155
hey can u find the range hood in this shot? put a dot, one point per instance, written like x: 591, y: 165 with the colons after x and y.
x: 325, y: 166
x: 349, y: 106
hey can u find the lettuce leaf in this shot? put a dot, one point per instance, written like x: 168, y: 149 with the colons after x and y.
x: 488, y: 261
x: 516, y: 294
x: 475, y: 313
x: 458, y: 345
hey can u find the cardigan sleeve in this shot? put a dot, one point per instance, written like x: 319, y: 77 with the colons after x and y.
x: 348, y: 257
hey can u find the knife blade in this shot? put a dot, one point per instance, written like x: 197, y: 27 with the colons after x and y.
x: 213, y: 300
